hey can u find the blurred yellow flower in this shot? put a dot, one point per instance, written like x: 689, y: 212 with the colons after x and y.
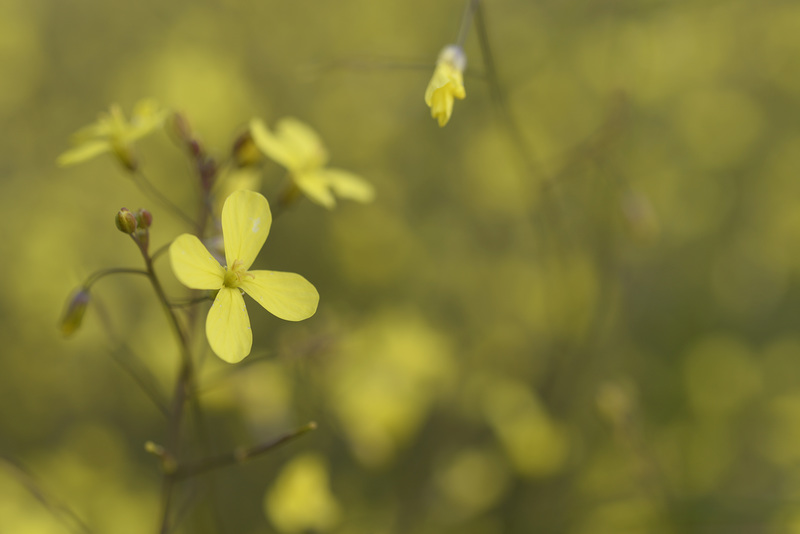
x: 113, y: 133
x: 296, y: 146
x: 246, y: 220
x: 447, y: 83
x: 301, y: 499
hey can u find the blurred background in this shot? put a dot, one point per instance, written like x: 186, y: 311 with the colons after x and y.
x: 571, y: 310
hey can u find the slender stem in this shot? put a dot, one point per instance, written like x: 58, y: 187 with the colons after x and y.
x: 498, y: 96
x: 191, y: 302
x: 159, y: 251
x: 130, y: 363
x: 150, y: 190
x: 466, y: 21
x: 96, y: 276
x: 166, y: 503
x: 239, y: 455
x: 369, y: 64
x: 182, y: 387
x: 61, y: 511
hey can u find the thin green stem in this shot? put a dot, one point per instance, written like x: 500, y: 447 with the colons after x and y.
x: 147, y: 187
x: 191, y: 302
x: 183, y: 386
x: 160, y: 251
x: 61, y: 511
x: 98, y: 275
x: 130, y: 363
x: 466, y: 22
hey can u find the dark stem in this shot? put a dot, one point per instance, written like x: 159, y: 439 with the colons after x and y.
x: 182, y: 389
x: 239, y: 455
x: 498, y: 96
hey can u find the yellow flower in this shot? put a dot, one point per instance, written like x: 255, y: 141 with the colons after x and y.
x: 246, y: 220
x: 297, y: 147
x: 113, y: 133
x: 447, y: 83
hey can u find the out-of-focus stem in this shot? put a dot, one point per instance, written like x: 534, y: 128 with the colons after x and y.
x: 499, y: 97
x: 183, y: 385
x: 94, y: 277
x: 146, y: 187
x: 239, y: 455
x: 466, y: 22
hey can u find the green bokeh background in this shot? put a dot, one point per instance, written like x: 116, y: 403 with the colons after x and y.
x: 572, y: 312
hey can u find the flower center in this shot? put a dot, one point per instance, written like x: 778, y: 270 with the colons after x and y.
x: 234, y: 275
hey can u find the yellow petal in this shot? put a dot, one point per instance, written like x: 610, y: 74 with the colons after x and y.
x: 442, y: 105
x: 246, y: 220
x: 295, y: 145
x: 346, y: 184
x: 315, y: 187
x: 303, y: 141
x: 288, y: 296
x: 85, y: 151
x: 446, y: 84
x: 228, y: 326
x: 100, y: 128
x: 147, y: 117
x: 270, y: 145
x: 194, y: 265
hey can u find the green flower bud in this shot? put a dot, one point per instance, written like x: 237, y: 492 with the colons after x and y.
x: 126, y: 221
x: 73, y: 313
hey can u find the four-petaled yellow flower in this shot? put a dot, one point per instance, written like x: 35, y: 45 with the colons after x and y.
x: 297, y: 147
x: 246, y: 220
x: 113, y: 133
x: 447, y: 83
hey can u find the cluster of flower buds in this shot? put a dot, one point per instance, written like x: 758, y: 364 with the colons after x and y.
x: 205, y: 165
x: 136, y: 225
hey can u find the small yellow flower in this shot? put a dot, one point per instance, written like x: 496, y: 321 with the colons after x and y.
x: 113, y: 133
x: 246, y: 220
x: 296, y: 146
x: 447, y: 83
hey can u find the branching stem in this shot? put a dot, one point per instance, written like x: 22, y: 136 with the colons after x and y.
x: 239, y: 455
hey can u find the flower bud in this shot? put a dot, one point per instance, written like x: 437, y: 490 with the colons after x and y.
x: 144, y: 219
x: 447, y: 83
x: 73, y: 314
x: 126, y: 222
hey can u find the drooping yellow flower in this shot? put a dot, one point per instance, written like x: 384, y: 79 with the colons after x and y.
x: 246, y: 220
x: 447, y: 83
x: 113, y: 133
x: 296, y: 146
